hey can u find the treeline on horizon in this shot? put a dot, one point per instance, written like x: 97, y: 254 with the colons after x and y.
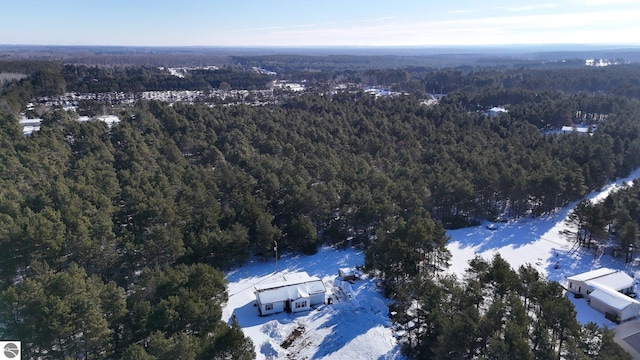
x: 142, y: 217
x: 569, y: 77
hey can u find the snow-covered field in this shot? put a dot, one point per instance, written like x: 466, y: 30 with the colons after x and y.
x: 357, y: 326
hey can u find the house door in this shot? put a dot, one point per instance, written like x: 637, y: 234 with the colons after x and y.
x: 287, y: 306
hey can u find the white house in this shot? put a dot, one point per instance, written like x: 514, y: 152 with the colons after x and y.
x: 617, y: 280
x: 606, y: 288
x: 296, y: 292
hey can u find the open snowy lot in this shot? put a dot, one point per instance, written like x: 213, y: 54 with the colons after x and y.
x: 540, y: 242
x: 357, y: 325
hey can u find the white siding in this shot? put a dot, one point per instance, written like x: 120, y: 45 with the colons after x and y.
x: 579, y: 287
x: 317, y: 299
x: 300, y: 305
x: 275, y: 308
x: 627, y: 313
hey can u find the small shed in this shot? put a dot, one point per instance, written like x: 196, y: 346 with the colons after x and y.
x: 296, y: 292
x: 347, y: 274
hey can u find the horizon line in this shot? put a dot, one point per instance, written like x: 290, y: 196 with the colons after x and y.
x: 607, y: 45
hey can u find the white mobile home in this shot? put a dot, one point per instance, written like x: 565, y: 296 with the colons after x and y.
x: 617, y: 280
x: 296, y: 292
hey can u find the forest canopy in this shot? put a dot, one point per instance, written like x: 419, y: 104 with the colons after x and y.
x: 144, y: 216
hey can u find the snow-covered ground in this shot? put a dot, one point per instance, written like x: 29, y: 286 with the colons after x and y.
x: 357, y: 325
x: 540, y: 243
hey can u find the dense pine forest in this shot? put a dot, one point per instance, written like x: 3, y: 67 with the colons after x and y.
x: 116, y: 238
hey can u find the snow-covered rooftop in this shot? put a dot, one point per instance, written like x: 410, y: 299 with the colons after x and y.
x: 615, y: 279
x: 288, y: 279
x: 110, y: 120
x: 578, y: 129
x: 497, y: 109
x: 28, y: 130
x: 611, y: 297
x: 345, y: 271
x: 29, y: 122
x: 292, y: 292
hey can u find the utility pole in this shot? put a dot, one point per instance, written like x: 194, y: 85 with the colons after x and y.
x: 275, y: 248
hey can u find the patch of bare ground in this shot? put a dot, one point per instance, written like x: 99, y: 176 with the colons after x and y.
x: 292, y: 337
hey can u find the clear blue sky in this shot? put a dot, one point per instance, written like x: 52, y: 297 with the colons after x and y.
x: 318, y: 22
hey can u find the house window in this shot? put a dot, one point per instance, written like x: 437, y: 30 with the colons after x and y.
x: 300, y: 305
x: 268, y: 307
x: 570, y: 285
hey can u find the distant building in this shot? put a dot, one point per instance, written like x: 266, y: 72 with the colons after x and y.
x: 28, y: 130
x: 290, y: 86
x: 264, y: 71
x: 578, y: 129
x: 600, y: 62
x: 496, y: 111
x: 110, y: 120
x: 29, y: 125
x: 606, y: 291
x: 29, y: 122
x: 377, y: 92
x: 296, y: 292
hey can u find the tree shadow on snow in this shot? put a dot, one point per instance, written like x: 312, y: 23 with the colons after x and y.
x: 515, y: 233
x: 351, y: 318
x: 525, y: 230
x: 247, y: 315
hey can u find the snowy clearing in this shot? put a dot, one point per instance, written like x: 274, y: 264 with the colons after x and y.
x: 539, y: 242
x: 355, y: 326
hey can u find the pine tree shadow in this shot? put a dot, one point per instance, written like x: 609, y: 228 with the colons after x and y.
x: 352, y: 317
